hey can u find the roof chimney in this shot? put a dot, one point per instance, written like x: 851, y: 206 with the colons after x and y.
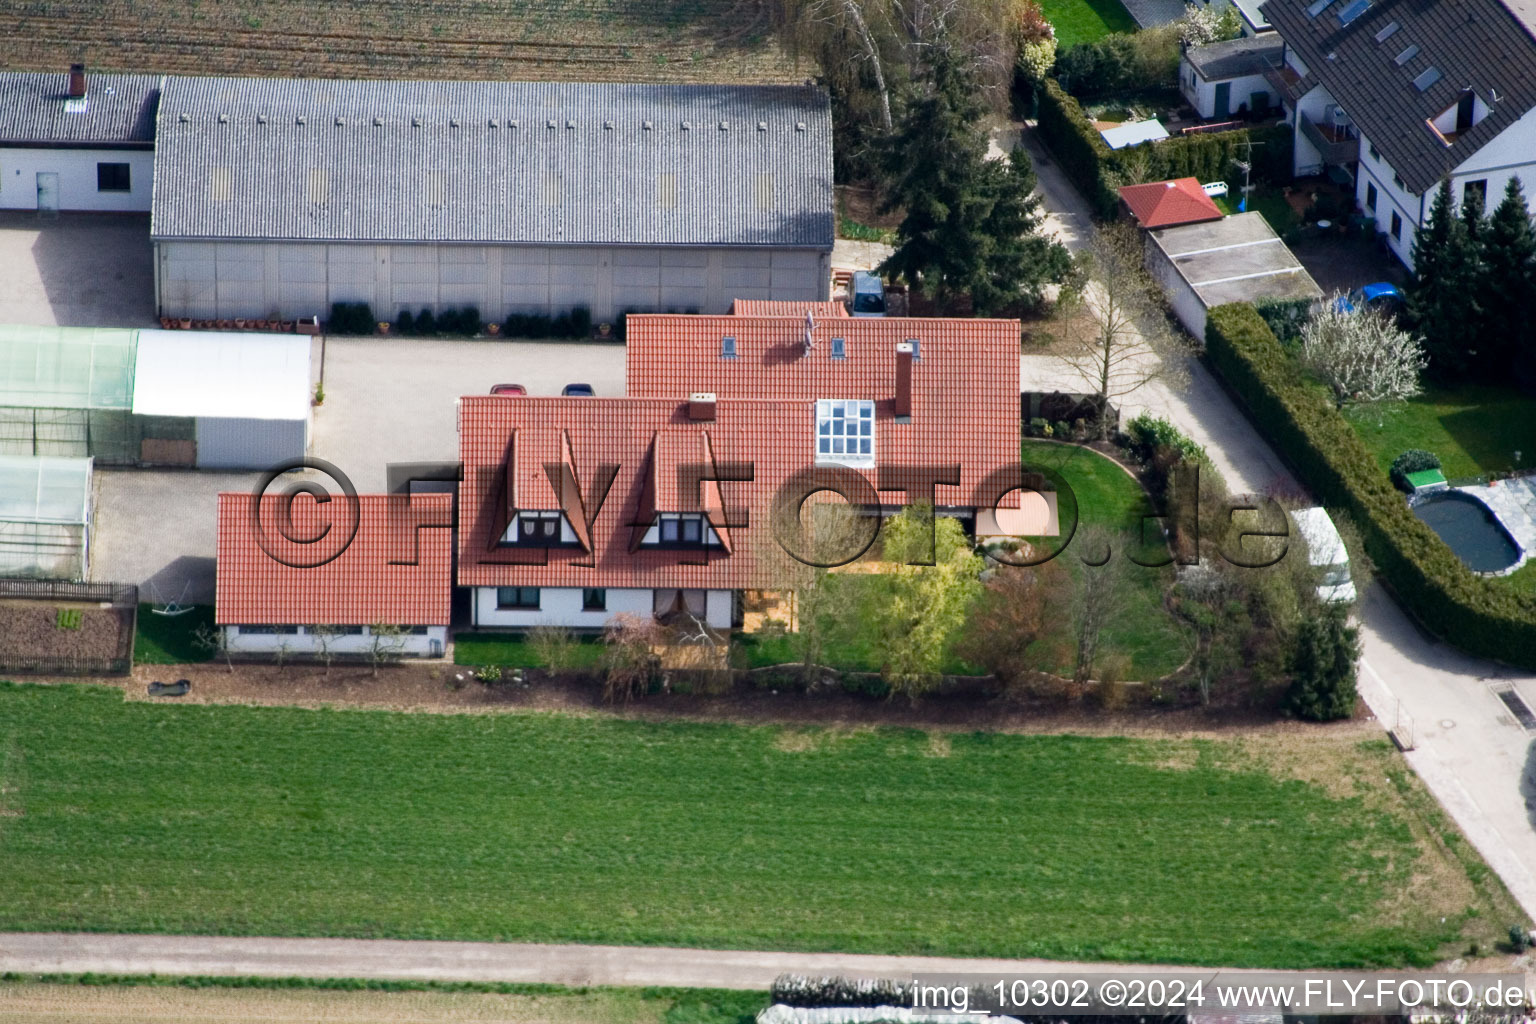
x: 904, y: 381
x: 77, y: 81
x: 701, y: 405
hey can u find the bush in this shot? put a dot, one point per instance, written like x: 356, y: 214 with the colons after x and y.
x: 469, y: 320
x: 581, y: 322
x: 351, y: 318
x: 1146, y: 435
x: 1322, y: 667
x: 1105, y: 66
x: 1285, y: 316
x: 1414, y: 460
x: 426, y: 323
x: 405, y: 323
x: 1478, y: 615
x: 560, y: 326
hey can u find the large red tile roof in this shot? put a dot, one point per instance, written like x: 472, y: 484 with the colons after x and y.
x: 359, y: 587
x: 787, y: 307
x: 1162, y: 204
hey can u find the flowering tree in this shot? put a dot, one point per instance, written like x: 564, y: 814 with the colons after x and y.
x: 1361, y: 355
x: 1202, y: 26
x: 1036, y: 40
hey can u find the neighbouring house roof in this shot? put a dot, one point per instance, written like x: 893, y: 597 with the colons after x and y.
x: 1478, y: 44
x: 1162, y: 204
x: 1236, y: 58
x: 965, y: 382
x: 35, y: 108
x: 1253, y: 13
x: 1235, y: 259
x: 361, y: 586
x: 532, y: 162
x: 220, y: 374
x: 66, y: 367
x: 1134, y: 133
x: 787, y: 307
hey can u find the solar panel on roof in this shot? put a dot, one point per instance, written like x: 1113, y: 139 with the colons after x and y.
x: 1427, y: 78
x: 1354, y: 11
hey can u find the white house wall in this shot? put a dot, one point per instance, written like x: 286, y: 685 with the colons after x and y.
x: 1186, y: 305
x: 76, y: 169
x: 416, y: 645
x: 1391, y: 197
x: 1201, y: 94
x: 225, y: 280
x: 561, y: 606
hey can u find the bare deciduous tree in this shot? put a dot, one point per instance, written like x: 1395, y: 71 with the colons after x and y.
x: 325, y: 644
x: 554, y: 646
x: 1361, y: 355
x: 215, y: 641
x: 386, y: 644
x: 629, y: 661
x: 1116, y: 338
x: 1100, y: 593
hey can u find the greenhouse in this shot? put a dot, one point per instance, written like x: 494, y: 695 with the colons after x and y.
x: 45, y: 517
x: 68, y: 391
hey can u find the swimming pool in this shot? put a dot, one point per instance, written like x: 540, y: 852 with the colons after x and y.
x: 1470, y: 528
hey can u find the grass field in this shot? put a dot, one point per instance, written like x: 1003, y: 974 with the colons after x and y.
x: 152, y: 1000
x: 1083, y: 21
x: 1474, y: 429
x: 580, y: 40
x: 515, y: 652
x: 1305, y: 849
x: 1265, y: 200
x: 171, y: 639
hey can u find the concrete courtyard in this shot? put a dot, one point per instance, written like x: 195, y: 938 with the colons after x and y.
x: 76, y: 270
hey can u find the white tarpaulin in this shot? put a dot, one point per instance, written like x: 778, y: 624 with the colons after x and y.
x: 222, y: 375
x: 1134, y: 133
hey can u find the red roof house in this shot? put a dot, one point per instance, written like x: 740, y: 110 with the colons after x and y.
x: 787, y: 307
x: 1163, y: 204
x: 334, y: 564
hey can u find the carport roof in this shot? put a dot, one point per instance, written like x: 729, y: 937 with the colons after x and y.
x: 44, y: 490
x: 1235, y: 259
x: 66, y: 367
x: 222, y: 375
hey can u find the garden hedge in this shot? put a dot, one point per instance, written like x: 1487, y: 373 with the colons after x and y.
x: 1096, y: 169
x: 1481, y: 616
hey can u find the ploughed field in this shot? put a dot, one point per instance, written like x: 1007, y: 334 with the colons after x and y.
x: 572, y: 40
x: 1295, y: 847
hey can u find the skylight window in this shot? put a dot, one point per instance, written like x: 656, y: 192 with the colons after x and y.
x: 1317, y: 7
x: 917, y: 348
x: 1354, y: 11
x: 839, y: 348
x: 727, y: 348
x: 1426, y: 79
x: 845, y: 432
x: 1387, y: 32
x: 1407, y: 55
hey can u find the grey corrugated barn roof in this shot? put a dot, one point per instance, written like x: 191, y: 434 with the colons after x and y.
x: 1473, y: 43
x: 1234, y: 58
x: 118, y: 109
x: 493, y: 162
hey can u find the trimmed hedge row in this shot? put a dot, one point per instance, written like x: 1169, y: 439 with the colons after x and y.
x: 1096, y: 169
x: 1478, y: 615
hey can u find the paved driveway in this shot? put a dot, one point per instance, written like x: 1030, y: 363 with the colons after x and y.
x: 80, y: 270
x: 392, y: 400
x: 1469, y: 750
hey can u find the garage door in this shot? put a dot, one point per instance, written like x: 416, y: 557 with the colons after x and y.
x: 248, y: 444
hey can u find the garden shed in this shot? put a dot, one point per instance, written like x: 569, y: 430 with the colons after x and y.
x: 232, y: 400
x: 68, y: 391
x: 45, y: 517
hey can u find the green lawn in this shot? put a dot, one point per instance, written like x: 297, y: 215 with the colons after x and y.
x: 1083, y: 21
x: 138, y: 817
x: 515, y: 652
x: 171, y: 639
x: 1108, y: 496
x: 1474, y: 429
x: 1265, y: 200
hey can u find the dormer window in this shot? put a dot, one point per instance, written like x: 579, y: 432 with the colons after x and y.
x: 680, y: 530
x: 727, y: 348
x: 845, y: 432
x: 538, y: 529
x: 1460, y: 116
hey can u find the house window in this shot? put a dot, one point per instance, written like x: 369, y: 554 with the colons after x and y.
x: 334, y: 630
x: 839, y: 348
x: 1375, y: 153
x: 1397, y: 226
x: 518, y: 597
x: 727, y: 348
x: 1397, y: 179
x: 675, y: 530
x: 594, y: 599
x: 268, y: 630
x: 1477, y: 189
x: 415, y: 630
x: 113, y: 178
x: 1370, y: 197
x: 845, y: 432
x: 537, y: 529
